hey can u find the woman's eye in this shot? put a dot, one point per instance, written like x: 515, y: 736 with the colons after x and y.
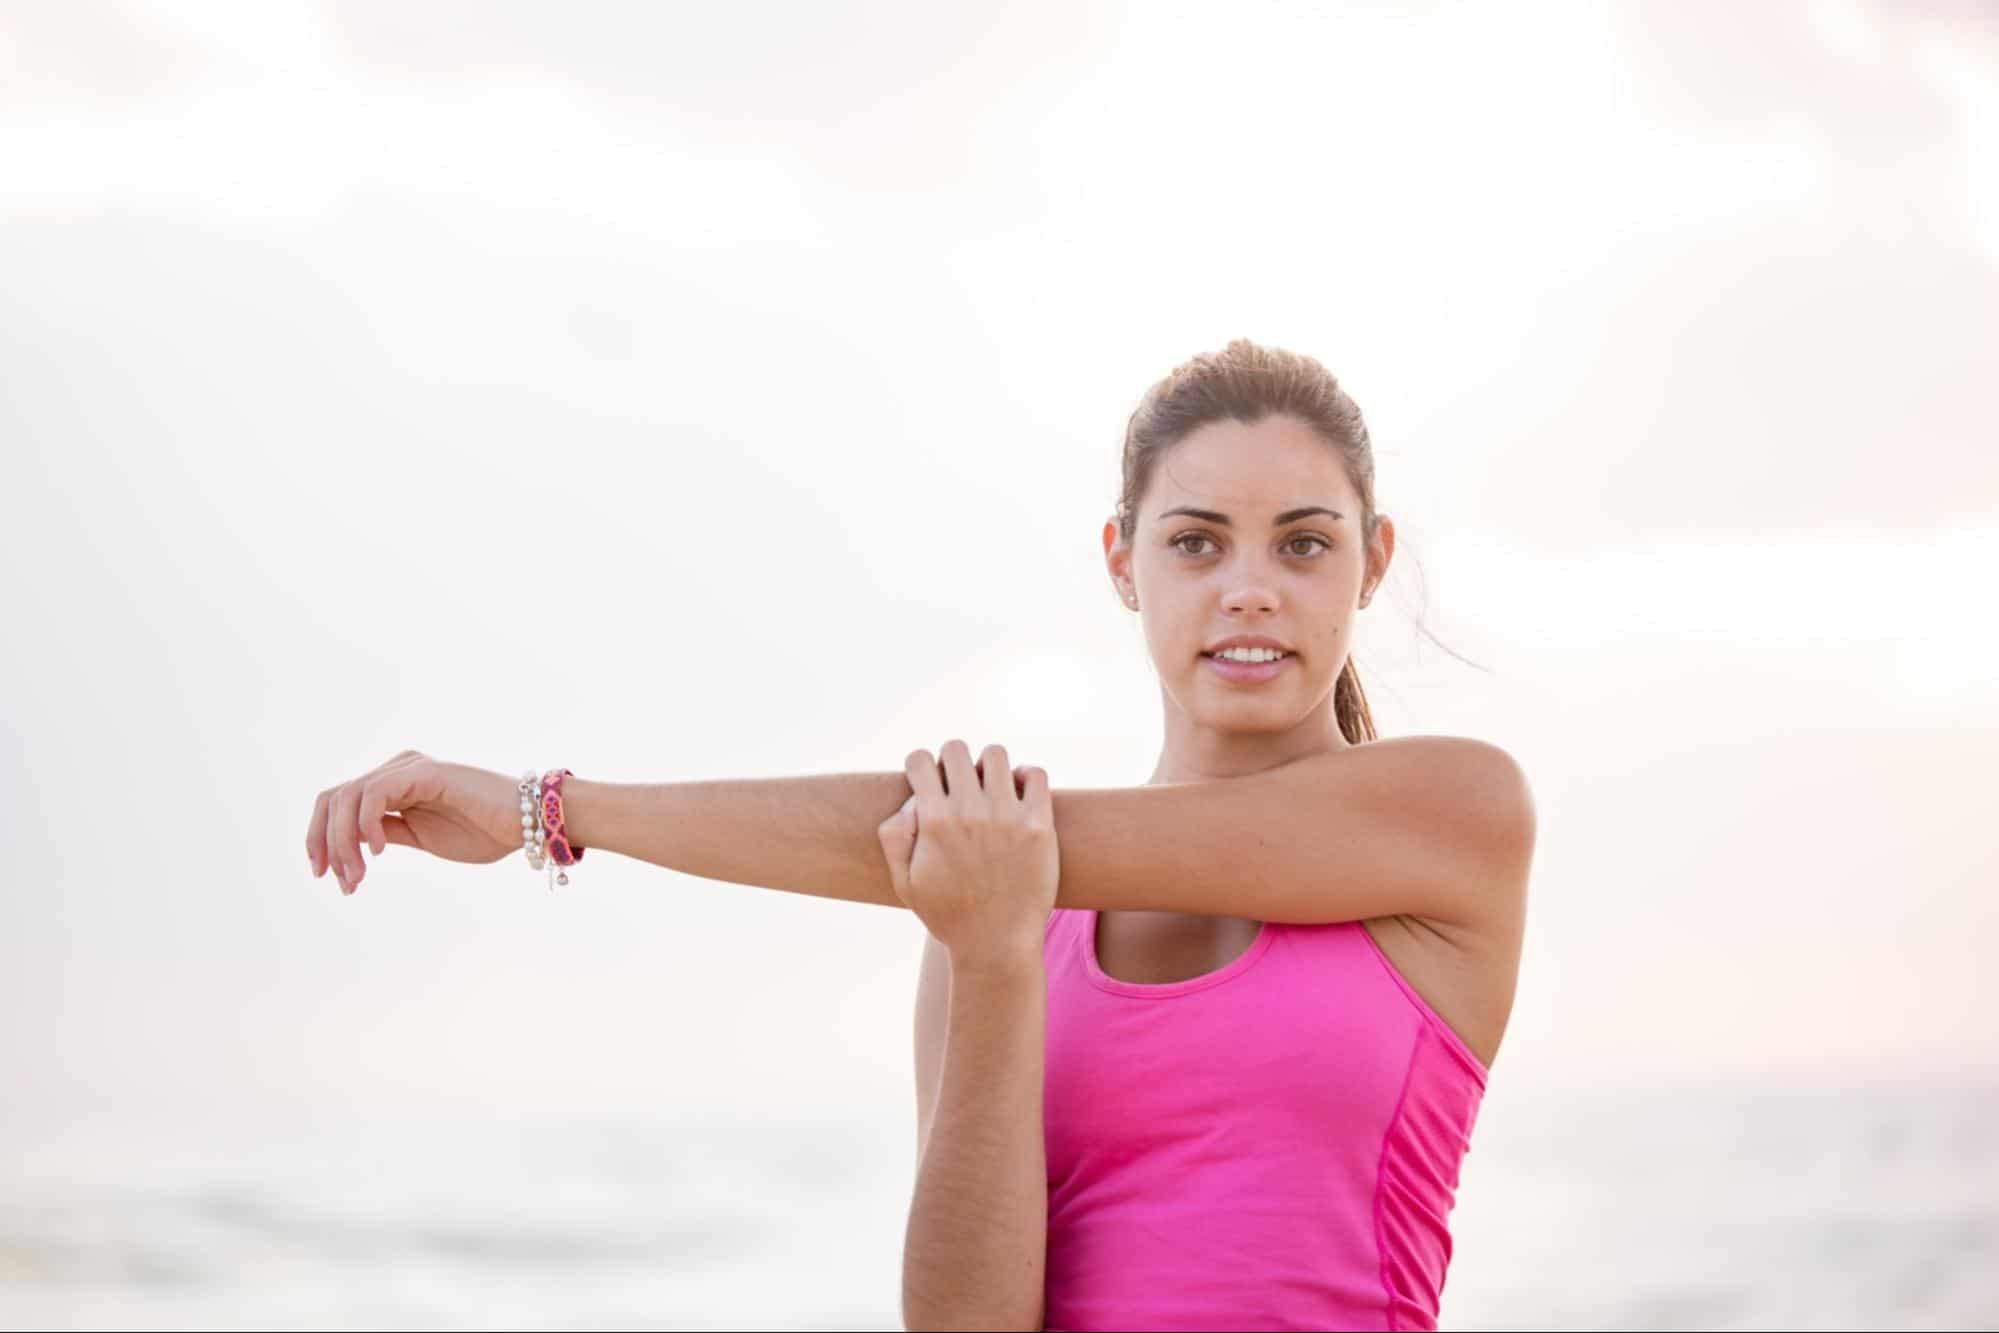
x: 1180, y: 542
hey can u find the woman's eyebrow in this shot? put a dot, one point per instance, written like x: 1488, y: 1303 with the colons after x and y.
x: 1288, y: 516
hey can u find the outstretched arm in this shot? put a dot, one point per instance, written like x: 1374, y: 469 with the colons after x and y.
x: 1434, y: 826
x: 813, y: 834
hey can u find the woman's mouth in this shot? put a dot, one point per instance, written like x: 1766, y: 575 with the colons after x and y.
x: 1246, y: 673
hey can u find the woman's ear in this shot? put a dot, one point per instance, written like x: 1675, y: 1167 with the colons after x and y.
x: 1117, y: 559
x: 1381, y: 550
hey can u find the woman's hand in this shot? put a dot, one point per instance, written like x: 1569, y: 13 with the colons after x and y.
x: 973, y: 854
x: 448, y: 810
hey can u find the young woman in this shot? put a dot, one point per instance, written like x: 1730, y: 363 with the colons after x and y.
x: 1204, y: 1053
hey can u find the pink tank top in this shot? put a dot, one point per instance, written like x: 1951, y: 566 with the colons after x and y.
x: 1274, y: 1145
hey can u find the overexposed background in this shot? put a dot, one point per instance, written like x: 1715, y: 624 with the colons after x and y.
x: 672, y: 392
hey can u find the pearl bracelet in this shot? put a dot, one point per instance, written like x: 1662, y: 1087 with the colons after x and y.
x: 533, y: 836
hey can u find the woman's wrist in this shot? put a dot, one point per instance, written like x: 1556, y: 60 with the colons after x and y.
x: 588, y: 811
x: 1002, y: 961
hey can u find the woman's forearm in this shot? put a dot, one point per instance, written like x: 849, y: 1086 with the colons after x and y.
x: 976, y: 1243
x: 814, y: 834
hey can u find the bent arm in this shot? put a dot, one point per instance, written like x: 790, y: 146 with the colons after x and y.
x: 1426, y: 825
x: 975, y: 1248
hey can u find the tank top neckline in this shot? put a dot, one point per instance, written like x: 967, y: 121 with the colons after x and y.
x: 1235, y: 967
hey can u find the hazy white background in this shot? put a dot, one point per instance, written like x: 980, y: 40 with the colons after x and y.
x: 671, y: 392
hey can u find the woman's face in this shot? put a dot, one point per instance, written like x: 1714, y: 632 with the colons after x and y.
x: 1263, y: 557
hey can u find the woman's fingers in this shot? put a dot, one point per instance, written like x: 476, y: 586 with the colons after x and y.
x: 345, y: 816
x: 376, y: 794
x: 343, y: 841
x: 1034, y: 796
x: 315, y: 834
x: 921, y: 770
x: 389, y: 787
x: 996, y: 771
x: 961, y: 782
x: 954, y: 774
x: 395, y: 830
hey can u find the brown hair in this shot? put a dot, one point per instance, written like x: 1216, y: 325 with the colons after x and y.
x: 1248, y: 382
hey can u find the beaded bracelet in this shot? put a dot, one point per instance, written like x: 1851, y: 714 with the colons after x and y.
x: 532, y: 835
x: 561, y: 852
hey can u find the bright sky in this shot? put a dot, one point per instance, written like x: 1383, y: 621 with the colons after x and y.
x: 687, y: 392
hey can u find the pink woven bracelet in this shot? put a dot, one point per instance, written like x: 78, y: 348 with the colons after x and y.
x: 559, y: 849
